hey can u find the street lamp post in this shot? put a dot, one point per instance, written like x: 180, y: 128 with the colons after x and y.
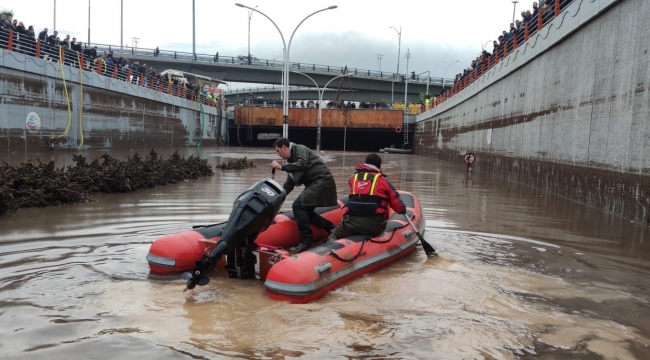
x: 134, y: 41
x: 250, y: 15
x: 399, y: 47
x: 379, y: 57
x: 88, y: 21
x: 193, y: 31
x: 121, y: 24
x: 514, y: 9
x: 406, y: 83
x: 54, y: 15
x: 320, y: 107
x: 285, y: 68
x: 445, y: 73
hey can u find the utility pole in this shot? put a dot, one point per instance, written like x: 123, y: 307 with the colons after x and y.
x: 379, y: 57
x: 89, y: 22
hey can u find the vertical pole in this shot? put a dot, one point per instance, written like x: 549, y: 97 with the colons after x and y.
x: 121, y: 24
x: 514, y: 9
x: 428, y: 77
x: 399, y: 48
x: 285, y: 91
x: 318, y: 136
x: 54, y: 15
x: 193, y: 30
x: 89, y: 22
x: 406, y: 86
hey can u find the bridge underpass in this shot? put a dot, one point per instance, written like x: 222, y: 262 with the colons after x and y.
x: 270, y: 72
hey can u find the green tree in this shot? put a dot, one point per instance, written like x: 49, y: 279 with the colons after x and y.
x: 7, y: 12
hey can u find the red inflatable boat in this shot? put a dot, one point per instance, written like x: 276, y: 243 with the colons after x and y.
x: 259, y: 247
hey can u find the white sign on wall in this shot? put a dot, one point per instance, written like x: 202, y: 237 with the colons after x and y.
x: 33, y: 123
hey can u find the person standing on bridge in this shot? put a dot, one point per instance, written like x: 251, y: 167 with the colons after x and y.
x: 306, y: 168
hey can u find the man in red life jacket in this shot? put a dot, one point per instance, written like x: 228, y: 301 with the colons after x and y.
x: 370, y: 196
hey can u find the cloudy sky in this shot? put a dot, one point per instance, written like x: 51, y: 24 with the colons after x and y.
x: 437, y: 32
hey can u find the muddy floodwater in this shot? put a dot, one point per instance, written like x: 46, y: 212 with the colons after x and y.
x: 521, y: 275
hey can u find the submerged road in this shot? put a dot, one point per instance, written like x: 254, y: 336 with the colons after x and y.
x: 521, y: 275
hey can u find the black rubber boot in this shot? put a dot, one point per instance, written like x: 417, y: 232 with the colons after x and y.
x: 300, y: 248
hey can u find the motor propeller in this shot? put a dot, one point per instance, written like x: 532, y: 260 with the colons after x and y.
x: 196, y: 277
x: 192, y: 281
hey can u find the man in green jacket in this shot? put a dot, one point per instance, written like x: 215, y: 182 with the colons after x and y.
x: 306, y: 168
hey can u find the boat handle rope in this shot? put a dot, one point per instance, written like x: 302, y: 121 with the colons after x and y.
x: 275, y: 258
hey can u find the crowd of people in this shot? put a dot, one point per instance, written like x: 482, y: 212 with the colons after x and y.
x: 519, y: 31
x: 413, y: 108
x: 73, y: 53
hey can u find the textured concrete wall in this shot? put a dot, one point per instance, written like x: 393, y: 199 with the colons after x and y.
x: 114, y: 114
x: 568, y: 112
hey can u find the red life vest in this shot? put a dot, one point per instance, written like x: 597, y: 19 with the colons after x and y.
x: 365, y: 200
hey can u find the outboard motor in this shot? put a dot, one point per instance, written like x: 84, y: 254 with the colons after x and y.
x: 252, y: 213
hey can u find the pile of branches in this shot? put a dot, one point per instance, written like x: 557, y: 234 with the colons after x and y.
x: 40, y: 184
x: 236, y: 164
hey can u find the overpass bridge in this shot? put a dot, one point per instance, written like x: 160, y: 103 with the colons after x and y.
x: 241, y: 69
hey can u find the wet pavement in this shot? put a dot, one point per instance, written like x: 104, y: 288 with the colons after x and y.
x: 521, y: 275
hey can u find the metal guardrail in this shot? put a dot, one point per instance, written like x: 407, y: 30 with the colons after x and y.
x: 271, y: 88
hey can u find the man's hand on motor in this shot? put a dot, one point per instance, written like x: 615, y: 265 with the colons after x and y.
x: 276, y: 165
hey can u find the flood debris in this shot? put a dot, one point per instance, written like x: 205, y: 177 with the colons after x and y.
x: 236, y: 164
x: 38, y: 184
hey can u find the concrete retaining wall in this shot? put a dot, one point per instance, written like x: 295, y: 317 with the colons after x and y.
x: 567, y: 112
x: 114, y: 113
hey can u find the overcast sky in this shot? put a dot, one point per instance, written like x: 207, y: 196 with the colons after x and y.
x: 437, y: 32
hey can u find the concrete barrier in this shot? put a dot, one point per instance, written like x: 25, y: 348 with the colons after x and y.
x: 36, y: 112
x: 567, y: 112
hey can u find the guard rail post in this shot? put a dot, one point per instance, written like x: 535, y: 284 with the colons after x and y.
x: 540, y: 20
x: 557, y: 8
x: 37, y: 53
x: 526, y: 31
x: 10, y: 41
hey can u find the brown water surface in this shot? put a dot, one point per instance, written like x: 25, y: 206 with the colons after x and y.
x: 521, y: 275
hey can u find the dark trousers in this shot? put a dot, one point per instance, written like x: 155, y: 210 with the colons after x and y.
x: 360, y: 225
x: 305, y: 216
